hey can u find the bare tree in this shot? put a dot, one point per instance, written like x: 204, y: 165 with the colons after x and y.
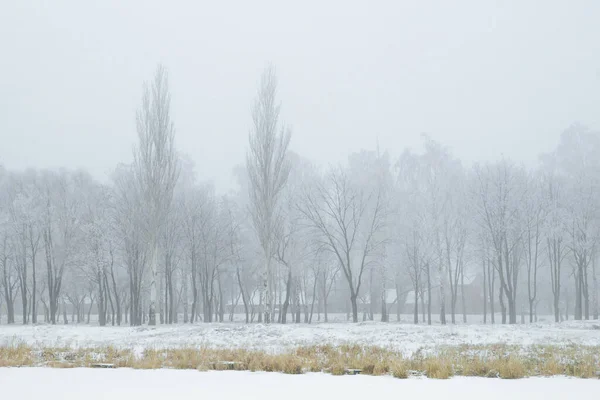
x: 170, y: 240
x: 577, y: 163
x: 268, y: 171
x: 193, y: 202
x: 534, y: 214
x: 215, y: 251
x: 96, y: 263
x: 128, y: 225
x: 349, y: 221
x: 501, y: 192
x: 9, y: 282
x: 61, y: 231
x: 156, y: 169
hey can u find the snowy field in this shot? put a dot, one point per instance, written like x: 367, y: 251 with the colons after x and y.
x: 93, y: 384
x: 398, y: 336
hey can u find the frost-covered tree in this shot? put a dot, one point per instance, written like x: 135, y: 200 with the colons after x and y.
x: 577, y: 162
x: 348, y: 218
x: 500, y: 193
x: 268, y: 170
x: 128, y: 225
x: 156, y: 169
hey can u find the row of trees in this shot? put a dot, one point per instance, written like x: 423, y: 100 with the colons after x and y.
x: 156, y: 245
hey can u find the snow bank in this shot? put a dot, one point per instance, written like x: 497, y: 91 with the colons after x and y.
x: 121, y: 384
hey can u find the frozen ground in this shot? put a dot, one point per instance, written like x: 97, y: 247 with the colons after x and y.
x: 401, y: 336
x: 121, y: 384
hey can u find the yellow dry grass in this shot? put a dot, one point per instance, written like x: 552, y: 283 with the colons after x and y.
x: 507, y: 362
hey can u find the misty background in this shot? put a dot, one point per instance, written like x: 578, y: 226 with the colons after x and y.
x: 251, y: 161
x: 485, y: 78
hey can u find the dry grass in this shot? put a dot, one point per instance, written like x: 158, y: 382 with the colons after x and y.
x: 399, y: 369
x: 511, y: 367
x: 16, y: 356
x: 337, y: 369
x: 438, y: 367
x: 507, y: 362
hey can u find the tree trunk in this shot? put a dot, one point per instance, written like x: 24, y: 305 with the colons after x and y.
x: 384, y: 313
x: 462, y: 294
x: 297, y: 289
x: 372, y: 297
x: 34, y: 287
x: 185, y: 300
x: 325, y: 302
x: 244, y: 298
x: 485, y: 299
x: 9, y: 295
x: 195, y: 291
x: 491, y: 280
x: 416, y: 307
x: 23, y: 284
x: 578, y: 295
x: 312, y: 304
x: 286, y: 303
x: 512, y: 310
x: 502, y: 306
x: 398, y: 310
x: 153, y: 289
x: 221, y: 308
x: 586, y: 293
x: 90, y: 310
x: 172, y: 310
x: 555, y: 256
x: 101, y: 300
x: 115, y: 291
x: 354, y: 307
x: 64, y: 310
x: 595, y: 288
x: 429, y: 297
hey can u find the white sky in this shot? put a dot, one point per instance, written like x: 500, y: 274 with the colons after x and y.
x: 484, y: 77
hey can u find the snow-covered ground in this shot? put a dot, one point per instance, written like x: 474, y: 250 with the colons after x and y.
x: 400, y: 336
x: 92, y: 384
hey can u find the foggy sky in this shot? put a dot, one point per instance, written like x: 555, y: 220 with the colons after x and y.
x: 485, y: 78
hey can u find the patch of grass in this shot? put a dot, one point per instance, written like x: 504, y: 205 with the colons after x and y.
x: 438, y: 368
x: 256, y: 364
x: 399, y: 369
x: 338, y: 369
x: 17, y: 355
x: 507, y: 362
x: 382, y: 368
x: 473, y: 366
x: 290, y: 364
x: 511, y: 367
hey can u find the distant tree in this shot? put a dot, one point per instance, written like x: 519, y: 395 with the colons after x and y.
x: 535, y: 211
x: 62, y: 236
x: 501, y: 192
x: 349, y: 219
x: 129, y: 230
x: 268, y: 171
x: 577, y: 162
x: 156, y: 169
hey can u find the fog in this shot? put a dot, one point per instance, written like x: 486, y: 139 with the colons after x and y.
x: 485, y: 78
x: 260, y: 162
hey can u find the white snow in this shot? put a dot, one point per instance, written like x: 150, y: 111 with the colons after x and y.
x: 400, y: 336
x: 90, y: 384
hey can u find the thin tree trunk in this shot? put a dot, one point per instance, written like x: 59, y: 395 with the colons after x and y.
x: 286, y: 303
x: 485, y: 299
x: 462, y: 294
x: 429, y: 296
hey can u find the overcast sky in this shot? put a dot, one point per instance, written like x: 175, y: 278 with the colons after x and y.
x: 485, y: 78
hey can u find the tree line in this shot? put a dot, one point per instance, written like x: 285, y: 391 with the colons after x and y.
x: 156, y: 245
